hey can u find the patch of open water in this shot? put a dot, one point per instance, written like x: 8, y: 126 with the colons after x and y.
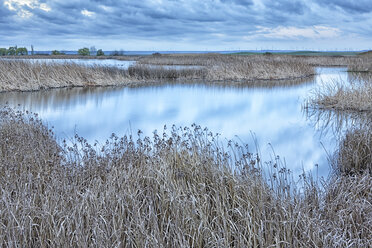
x: 274, y: 115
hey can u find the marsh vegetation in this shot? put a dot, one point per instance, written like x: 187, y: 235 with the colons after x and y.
x: 21, y: 75
x: 180, y: 188
x: 26, y: 76
x: 352, y: 95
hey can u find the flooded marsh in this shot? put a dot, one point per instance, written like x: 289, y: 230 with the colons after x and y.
x: 181, y: 162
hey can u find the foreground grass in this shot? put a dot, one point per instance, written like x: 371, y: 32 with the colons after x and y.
x: 174, y: 190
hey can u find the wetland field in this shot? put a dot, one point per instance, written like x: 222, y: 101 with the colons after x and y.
x: 186, y: 150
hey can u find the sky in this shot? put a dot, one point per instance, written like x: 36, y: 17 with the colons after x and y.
x: 187, y: 25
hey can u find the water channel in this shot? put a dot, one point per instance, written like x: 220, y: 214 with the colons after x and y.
x: 272, y: 113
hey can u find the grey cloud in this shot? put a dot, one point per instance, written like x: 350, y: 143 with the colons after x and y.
x: 352, y: 6
x: 5, y: 14
x: 245, y: 3
x: 286, y: 6
x: 198, y: 21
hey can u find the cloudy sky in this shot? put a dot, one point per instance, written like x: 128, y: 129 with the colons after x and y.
x: 203, y: 25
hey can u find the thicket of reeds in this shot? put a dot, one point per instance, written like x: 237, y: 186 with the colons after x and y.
x: 22, y: 75
x: 74, y: 56
x: 355, y: 95
x: 146, y: 72
x: 232, y: 67
x: 354, y: 155
x: 181, y: 188
x: 26, y: 76
x: 363, y: 64
x: 216, y: 59
x: 353, y: 132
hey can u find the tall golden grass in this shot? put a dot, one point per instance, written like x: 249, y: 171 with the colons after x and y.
x: 180, y: 188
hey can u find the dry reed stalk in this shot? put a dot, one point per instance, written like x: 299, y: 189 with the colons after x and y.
x: 213, y: 59
x: 232, y: 67
x: 355, y: 95
x: 26, y: 76
x: 364, y: 64
x: 355, y: 154
x: 177, y: 189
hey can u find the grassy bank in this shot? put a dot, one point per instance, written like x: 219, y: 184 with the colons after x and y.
x: 217, y: 59
x: 74, y: 56
x: 207, y: 68
x: 24, y: 76
x: 303, y: 53
x: 172, y: 190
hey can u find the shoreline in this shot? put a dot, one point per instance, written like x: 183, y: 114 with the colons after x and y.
x: 134, y: 84
x: 21, y: 75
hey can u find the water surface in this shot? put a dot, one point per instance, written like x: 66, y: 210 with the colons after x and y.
x: 272, y: 114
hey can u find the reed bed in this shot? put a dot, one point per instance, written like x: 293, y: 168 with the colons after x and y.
x: 216, y: 59
x: 26, y: 76
x: 267, y: 70
x: 355, y: 155
x: 146, y: 72
x: 74, y: 56
x: 238, y: 68
x: 353, y: 132
x: 22, y: 75
x: 355, y: 95
x: 180, y: 188
x: 362, y: 64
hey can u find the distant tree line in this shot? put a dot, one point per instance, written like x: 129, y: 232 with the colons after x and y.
x: 92, y: 51
x: 13, y: 51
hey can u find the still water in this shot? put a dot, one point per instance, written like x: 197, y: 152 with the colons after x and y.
x: 272, y: 114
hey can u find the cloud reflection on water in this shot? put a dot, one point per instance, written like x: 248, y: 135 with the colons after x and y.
x: 273, y: 114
